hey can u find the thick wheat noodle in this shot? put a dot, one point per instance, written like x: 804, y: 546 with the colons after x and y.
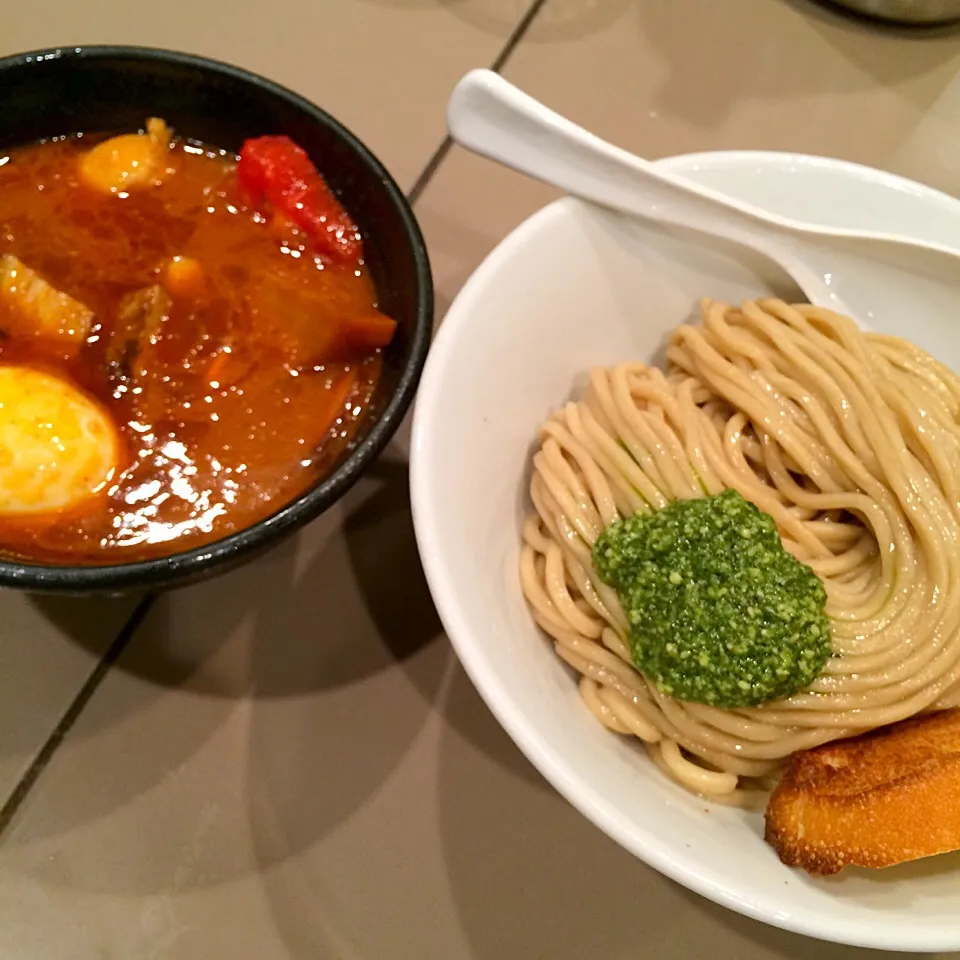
x: 849, y: 440
x: 590, y: 691
x: 627, y: 715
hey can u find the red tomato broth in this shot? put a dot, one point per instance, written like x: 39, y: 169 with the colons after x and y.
x: 242, y: 400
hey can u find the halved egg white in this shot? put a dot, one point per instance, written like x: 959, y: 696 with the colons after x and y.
x: 57, y: 447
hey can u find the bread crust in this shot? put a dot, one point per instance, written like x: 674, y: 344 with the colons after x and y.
x: 874, y: 801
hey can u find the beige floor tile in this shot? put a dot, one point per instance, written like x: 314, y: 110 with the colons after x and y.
x: 49, y: 647
x: 383, y: 67
x: 287, y: 762
x: 270, y: 774
x: 692, y: 75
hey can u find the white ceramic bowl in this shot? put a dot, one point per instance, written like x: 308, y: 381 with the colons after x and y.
x: 574, y: 287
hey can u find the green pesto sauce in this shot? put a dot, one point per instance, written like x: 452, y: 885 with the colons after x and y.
x: 719, y: 612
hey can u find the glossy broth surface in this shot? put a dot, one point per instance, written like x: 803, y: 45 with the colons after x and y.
x: 226, y: 399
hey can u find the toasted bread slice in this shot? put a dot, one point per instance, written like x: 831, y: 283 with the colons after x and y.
x: 889, y: 796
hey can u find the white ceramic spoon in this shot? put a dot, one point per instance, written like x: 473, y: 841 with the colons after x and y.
x: 888, y: 283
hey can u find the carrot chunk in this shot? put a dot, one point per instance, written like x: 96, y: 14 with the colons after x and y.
x: 183, y: 277
x: 368, y: 331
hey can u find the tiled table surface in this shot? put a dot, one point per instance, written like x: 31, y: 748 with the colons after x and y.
x: 288, y: 761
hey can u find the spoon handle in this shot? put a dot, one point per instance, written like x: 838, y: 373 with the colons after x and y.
x: 490, y: 116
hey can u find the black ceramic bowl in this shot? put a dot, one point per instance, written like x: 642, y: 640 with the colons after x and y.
x: 107, y: 89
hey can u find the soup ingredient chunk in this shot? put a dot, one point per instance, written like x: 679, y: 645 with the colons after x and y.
x: 57, y: 446
x: 719, y: 612
x: 140, y: 317
x: 129, y: 161
x: 183, y: 276
x: 890, y: 796
x: 38, y: 308
x: 275, y: 169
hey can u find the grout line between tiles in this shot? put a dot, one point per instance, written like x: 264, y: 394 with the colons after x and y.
x: 519, y: 32
x: 440, y: 154
x: 40, y: 761
x: 21, y: 791
x: 426, y: 175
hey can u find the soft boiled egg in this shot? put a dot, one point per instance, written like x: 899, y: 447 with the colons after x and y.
x: 57, y: 447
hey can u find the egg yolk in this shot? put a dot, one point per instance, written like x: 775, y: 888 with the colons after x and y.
x: 57, y: 447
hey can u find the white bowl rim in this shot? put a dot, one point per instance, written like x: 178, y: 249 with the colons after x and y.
x: 684, y: 161
x: 650, y: 848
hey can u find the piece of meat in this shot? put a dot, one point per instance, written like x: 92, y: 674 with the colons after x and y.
x: 139, y: 320
x: 156, y: 355
x: 37, y: 308
x: 884, y: 798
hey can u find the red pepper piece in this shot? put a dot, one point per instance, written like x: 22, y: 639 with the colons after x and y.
x: 276, y: 169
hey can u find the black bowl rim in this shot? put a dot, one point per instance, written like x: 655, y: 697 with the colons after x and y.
x: 156, y: 572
